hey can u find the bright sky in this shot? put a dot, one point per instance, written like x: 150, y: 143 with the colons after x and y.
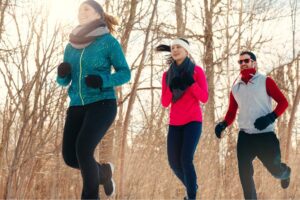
x: 64, y: 10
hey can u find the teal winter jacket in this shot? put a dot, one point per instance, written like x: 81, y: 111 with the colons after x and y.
x: 95, y: 59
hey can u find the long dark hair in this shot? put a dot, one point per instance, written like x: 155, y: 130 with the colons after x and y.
x: 165, y: 48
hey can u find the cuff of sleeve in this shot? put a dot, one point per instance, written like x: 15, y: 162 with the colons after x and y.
x: 194, y: 85
x: 105, y: 81
x: 225, y: 123
x: 61, y: 80
x: 273, y: 116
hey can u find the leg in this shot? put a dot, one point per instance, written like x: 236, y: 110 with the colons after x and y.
x: 99, y: 117
x: 246, y: 154
x: 74, y: 120
x: 174, y: 145
x: 270, y: 155
x: 191, y: 136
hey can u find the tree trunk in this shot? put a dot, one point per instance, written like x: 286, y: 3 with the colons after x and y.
x: 179, y: 18
x: 130, y: 105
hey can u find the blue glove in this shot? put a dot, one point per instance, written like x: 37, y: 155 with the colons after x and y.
x: 264, y: 121
x: 220, y: 127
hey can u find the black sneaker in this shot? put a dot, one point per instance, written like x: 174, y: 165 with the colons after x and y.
x: 286, y: 182
x: 106, y: 171
x: 109, y: 185
x: 110, y: 188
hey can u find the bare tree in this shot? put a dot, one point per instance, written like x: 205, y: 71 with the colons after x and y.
x: 33, y: 108
x: 4, y: 4
x: 132, y: 99
x: 32, y: 104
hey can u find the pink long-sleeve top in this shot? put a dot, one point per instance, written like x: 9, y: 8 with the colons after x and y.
x: 187, y: 108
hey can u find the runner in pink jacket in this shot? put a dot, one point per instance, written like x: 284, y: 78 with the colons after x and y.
x: 184, y: 86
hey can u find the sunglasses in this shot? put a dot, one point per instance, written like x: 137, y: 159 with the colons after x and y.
x: 246, y: 61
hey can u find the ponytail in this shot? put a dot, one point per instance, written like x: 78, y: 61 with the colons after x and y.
x: 111, y: 22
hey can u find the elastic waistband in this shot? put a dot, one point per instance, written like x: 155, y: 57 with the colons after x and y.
x: 245, y: 133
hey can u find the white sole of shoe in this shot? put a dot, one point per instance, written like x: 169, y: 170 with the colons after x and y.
x: 112, y: 167
x: 114, y: 188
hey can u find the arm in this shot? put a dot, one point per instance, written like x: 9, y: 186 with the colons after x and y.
x: 122, y: 71
x: 229, y: 117
x: 274, y: 92
x: 166, y: 94
x: 200, y: 88
x: 64, y: 80
x: 232, y: 109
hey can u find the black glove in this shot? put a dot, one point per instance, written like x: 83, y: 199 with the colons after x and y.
x: 188, y: 79
x: 63, y: 69
x: 220, y: 127
x: 94, y: 81
x: 264, y: 121
x: 176, y: 83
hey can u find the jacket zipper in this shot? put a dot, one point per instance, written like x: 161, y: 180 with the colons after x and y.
x: 80, y: 77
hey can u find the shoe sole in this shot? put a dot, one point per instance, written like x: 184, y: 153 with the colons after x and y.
x: 112, y: 167
x: 287, y: 181
x: 114, y: 188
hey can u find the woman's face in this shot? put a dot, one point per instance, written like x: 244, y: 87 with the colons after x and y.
x: 87, y: 14
x: 178, y: 53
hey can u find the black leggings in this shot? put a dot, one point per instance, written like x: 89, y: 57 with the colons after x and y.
x: 84, y: 128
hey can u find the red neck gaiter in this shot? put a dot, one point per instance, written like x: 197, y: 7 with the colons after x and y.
x: 247, y: 74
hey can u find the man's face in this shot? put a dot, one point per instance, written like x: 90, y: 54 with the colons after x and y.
x: 246, y: 62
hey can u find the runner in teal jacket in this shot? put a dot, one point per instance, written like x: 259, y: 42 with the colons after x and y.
x: 93, y: 65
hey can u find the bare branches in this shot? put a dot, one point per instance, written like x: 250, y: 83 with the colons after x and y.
x: 33, y: 107
x: 132, y: 100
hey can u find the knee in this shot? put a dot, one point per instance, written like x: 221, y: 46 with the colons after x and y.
x: 187, y: 162
x: 84, y: 155
x: 175, y: 166
x: 71, y: 161
x: 245, y: 168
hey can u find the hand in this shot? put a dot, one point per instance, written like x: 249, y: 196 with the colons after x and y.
x: 188, y: 79
x: 64, y: 69
x: 220, y: 127
x: 94, y: 81
x: 264, y: 121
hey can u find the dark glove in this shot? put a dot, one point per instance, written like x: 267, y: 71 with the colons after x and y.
x: 264, y: 121
x: 176, y: 83
x: 94, y: 81
x: 63, y: 69
x: 188, y: 79
x: 220, y: 127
